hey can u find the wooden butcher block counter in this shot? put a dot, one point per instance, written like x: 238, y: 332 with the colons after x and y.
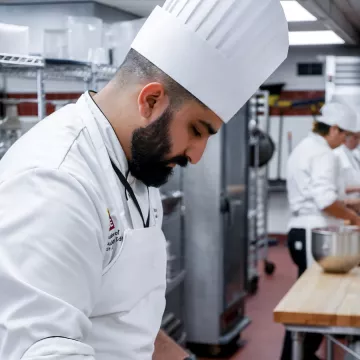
x: 319, y: 299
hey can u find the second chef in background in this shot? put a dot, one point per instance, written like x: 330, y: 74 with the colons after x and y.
x: 316, y: 194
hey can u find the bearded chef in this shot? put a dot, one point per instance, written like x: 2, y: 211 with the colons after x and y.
x: 316, y: 194
x: 82, y: 254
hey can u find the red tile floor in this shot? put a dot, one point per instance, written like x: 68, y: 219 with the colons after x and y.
x: 264, y: 337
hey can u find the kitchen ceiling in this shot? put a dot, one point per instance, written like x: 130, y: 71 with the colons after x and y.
x: 136, y: 7
x: 351, y: 9
x: 341, y: 16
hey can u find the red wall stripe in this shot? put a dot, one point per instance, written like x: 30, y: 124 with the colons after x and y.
x: 297, y: 96
x: 30, y: 109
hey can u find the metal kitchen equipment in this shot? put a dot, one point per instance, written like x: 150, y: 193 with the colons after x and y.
x: 342, y: 79
x: 10, y: 127
x: 41, y: 69
x: 216, y: 248
x: 336, y: 249
x: 173, y: 209
x: 258, y: 195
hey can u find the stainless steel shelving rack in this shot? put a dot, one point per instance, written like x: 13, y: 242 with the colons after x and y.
x: 258, y: 196
x: 42, y: 69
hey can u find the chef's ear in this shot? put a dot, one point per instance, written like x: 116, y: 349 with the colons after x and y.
x: 152, y: 101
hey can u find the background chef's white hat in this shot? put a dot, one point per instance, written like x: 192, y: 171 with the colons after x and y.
x: 341, y: 115
x: 221, y: 51
x: 355, y: 106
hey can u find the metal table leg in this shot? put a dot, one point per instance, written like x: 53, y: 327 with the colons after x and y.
x: 329, y: 349
x: 297, y: 345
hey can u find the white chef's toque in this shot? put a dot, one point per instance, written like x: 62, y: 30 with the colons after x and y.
x: 221, y: 51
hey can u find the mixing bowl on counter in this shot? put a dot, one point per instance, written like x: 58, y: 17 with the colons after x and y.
x: 336, y: 248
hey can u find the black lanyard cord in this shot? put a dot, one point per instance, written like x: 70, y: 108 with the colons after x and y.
x: 129, y: 190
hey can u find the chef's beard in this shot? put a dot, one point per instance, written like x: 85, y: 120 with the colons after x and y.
x: 150, y: 147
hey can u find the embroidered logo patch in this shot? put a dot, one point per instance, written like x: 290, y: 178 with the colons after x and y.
x: 111, y: 226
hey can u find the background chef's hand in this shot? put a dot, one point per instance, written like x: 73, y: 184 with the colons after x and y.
x: 353, y: 204
x: 355, y: 221
x: 352, y: 190
x: 166, y: 348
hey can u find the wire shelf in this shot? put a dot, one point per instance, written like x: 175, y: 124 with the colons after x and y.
x: 29, y: 61
x: 104, y: 72
x: 54, y: 69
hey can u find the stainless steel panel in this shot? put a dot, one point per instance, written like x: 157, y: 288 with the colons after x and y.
x: 216, y: 235
x: 175, y: 181
x: 173, y: 222
x: 172, y: 228
x: 204, y: 245
x: 235, y: 177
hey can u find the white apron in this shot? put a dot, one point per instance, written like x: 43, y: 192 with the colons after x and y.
x: 128, y: 312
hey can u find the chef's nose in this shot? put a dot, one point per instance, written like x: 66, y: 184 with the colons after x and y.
x: 195, y: 152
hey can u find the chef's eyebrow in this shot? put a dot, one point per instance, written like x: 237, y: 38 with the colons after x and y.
x: 209, y: 127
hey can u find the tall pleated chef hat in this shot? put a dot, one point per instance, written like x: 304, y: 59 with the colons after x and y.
x: 339, y: 114
x: 221, y: 51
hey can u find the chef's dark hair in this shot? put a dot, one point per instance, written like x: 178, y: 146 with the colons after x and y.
x: 322, y: 128
x: 137, y: 68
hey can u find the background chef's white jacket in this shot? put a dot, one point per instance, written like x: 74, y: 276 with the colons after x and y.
x: 313, y: 183
x: 56, y: 188
x: 313, y: 177
x: 349, y: 167
x: 356, y: 154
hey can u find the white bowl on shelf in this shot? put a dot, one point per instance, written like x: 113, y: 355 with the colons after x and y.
x: 56, y: 44
x: 124, y: 33
x: 14, y: 39
x: 85, y: 35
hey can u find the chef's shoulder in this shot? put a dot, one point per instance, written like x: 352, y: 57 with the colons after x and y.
x: 339, y: 151
x: 312, y: 148
x: 342, y: 157
x: 52, y: 161
x: 47, y: 145
x: 306, y: 150
x: 58, y: 148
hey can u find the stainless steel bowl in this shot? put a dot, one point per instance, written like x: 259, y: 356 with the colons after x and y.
x: 336, y: 249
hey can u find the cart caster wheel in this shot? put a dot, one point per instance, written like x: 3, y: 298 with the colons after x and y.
x: 253, y: 285
x: 269, y: 268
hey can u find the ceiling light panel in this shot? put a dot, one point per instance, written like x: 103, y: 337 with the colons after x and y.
x: 326, y: 37
x: 296, y: 12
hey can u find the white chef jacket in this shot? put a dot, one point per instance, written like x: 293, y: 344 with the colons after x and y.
x: 356, y: 154
x: 350, y: 168
x: 312, y: 176
x: 313, y: 183
x: 62, y: 221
